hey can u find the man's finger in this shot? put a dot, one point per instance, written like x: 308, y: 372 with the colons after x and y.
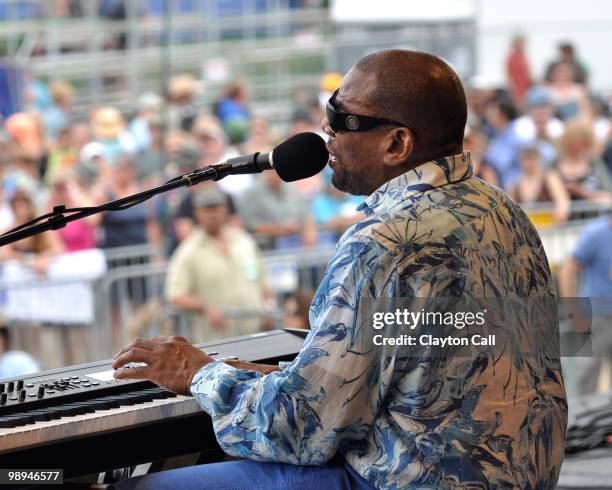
x: 133, y: 355
x: 140, y: 372
x: 127, y: 347
x: 141, y: 343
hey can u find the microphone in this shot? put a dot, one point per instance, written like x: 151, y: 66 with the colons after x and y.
x: 299, y: 157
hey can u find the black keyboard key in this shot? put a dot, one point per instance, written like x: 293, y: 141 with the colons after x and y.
x: 16, y: 420
x: 40, y: 415
x: 84, y: 407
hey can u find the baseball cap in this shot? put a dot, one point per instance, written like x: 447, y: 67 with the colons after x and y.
x: 210, y: 196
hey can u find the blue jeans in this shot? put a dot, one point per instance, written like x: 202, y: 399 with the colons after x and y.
x: 250, y: 475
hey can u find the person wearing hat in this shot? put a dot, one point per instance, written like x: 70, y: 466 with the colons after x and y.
x: 181, y: 108
x: 217, y: 267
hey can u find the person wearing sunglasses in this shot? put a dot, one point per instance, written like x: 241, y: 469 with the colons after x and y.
x: 369, y: 401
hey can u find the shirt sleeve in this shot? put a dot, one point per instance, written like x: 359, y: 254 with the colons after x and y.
x: 328, y: 397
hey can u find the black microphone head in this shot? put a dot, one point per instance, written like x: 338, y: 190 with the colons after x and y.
x: 300, y: 157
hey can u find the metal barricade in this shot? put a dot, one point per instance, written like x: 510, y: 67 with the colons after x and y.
x: 130, y: 255
x: 128, y: 300
x: 580, y: 210
x: 130, y: 303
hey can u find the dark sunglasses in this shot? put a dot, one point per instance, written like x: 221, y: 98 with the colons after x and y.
x: 342, y: 121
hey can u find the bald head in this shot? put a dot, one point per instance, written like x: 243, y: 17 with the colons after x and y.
x: 422, y: 92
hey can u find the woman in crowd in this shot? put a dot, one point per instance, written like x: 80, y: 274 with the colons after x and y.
x: 80, y: 234
x: 539, y: 185
x: 132, y: 226
x: 569, y: 98
x: 584, y: 176
x: 34, y: 251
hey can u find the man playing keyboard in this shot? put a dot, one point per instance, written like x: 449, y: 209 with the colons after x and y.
x: 349, y: 412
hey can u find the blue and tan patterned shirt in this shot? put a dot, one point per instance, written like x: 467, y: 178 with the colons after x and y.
x: 400, y: 417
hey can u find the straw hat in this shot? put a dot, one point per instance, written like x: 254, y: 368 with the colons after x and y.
x: 181, y: 86
x: 107, y: 123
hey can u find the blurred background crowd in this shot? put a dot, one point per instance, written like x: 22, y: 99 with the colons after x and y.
x: 243, y: 254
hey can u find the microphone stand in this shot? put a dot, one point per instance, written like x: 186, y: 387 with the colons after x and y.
x: 58, y: 219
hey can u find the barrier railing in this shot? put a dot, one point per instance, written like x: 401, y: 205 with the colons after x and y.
x: 130, y: 298
x: 543, y: 214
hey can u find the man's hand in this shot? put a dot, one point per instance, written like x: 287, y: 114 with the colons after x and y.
x: 171, y: 362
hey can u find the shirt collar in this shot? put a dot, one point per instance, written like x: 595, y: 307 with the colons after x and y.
x: 204, y: 238
x: 422, y: 178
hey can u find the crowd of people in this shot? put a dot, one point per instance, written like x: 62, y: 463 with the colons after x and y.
x: 543, y: 139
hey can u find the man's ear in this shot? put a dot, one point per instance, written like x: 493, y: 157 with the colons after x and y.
x: 398, y: 146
